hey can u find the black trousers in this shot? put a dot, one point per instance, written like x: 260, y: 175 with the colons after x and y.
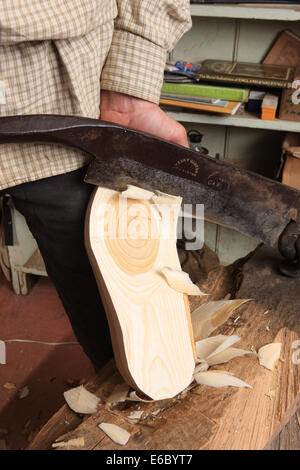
x: 54, y: 209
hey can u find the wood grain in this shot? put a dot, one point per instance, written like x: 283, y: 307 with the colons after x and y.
x: 129, y: 242
x: 288, y: 438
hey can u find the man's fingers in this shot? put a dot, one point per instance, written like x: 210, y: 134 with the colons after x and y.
x: 141, y: 115
x: 183, y: 140
x: 180, y: 136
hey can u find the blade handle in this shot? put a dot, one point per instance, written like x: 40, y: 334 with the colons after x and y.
x: 78, y: 132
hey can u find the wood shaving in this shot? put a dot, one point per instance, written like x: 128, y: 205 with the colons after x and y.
x: 219, y: 379
x: 224, y: 345
x: 10, y: 386
x: 181, y: 282
x: 220, y: 371
x: 206, y: 346
x: 78, y: 442
x: 135, y: 415
x: 23, y: 392
x: 162, y: 202
x: 81, y: 400
x: 202, y: 367
x: 134, y: 192
x: 227, y: 355
x: 209, y: 316
x: 164, y: 198
x: 115, y: 433
x: 269, y: 354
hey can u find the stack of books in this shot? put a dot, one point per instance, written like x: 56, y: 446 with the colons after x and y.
x: 204, y: 97
x: 221, y: 86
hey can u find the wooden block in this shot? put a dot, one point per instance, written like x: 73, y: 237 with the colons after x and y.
x: 129, y: 242
x: 291, y: 172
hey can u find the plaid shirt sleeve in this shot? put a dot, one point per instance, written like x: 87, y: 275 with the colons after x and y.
x: 53, y: 54
x: 40, y: 20
x: 145, y: 30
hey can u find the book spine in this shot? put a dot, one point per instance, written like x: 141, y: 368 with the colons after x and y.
x: 206, y: 91
x: 201, y: 107
x: 244, y: 80
x: 231, y: 109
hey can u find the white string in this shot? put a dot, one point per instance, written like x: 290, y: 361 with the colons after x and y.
x: 38, y: 342
x: 3, y: 345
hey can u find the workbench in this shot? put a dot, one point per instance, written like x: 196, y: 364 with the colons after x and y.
x: 205, y: 417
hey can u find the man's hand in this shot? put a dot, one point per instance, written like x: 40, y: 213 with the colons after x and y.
x: 142, y: 115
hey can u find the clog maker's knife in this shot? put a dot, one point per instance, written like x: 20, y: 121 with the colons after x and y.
x: 233, y: 197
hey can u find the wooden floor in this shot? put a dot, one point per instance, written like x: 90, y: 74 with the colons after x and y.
x: 44, y: 369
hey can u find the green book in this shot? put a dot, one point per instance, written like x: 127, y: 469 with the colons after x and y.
x: 207, y: 91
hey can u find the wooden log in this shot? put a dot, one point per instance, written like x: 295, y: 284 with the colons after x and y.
x: 224, y: 418
x: 129, y: 242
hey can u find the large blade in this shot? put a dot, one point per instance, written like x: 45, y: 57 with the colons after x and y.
x: 232, y: 197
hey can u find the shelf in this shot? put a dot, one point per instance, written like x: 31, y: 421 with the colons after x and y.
x: 244, y: 120
x: 255, y: 12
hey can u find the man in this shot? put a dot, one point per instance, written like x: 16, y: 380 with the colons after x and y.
x: 64, y: 57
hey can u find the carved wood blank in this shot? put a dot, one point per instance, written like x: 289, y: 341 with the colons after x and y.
x: 129, y: 242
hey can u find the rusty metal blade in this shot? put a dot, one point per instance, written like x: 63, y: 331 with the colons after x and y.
x: 232, y: 197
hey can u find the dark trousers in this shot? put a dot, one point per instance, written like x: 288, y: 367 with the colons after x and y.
x: 54, y: 209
